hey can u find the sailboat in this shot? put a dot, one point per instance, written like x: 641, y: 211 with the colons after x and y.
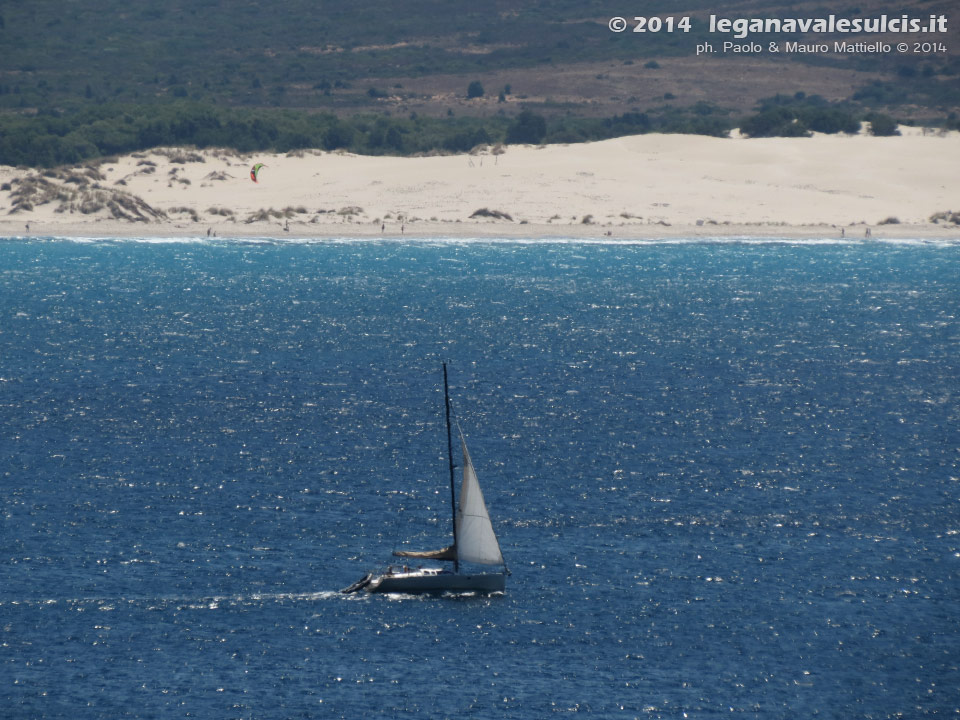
x: 474, y: 541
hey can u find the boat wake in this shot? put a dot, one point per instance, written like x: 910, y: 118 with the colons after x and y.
x: 212, y: 602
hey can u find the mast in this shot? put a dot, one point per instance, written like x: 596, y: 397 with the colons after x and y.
x: 453, y: 496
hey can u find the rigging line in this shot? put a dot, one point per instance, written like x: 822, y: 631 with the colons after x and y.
x: 453, y: 497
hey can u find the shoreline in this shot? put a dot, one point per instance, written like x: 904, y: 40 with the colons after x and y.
x: 640, y: 187
x: 478, y: 231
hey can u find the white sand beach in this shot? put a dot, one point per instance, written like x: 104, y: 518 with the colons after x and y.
x: 645, y: 186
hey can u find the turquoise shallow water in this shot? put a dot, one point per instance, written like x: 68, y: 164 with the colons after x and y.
x: 724, y: 474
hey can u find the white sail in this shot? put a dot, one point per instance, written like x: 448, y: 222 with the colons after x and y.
x: 476, y: 541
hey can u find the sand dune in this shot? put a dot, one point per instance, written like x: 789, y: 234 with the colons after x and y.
x: 641, y: 186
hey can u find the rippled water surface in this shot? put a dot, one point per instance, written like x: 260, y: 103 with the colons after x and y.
x: 725, y: 476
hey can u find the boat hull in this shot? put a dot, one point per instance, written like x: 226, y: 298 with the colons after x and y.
x: 416, y: 582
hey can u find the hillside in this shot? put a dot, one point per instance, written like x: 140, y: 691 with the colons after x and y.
x: 421, y: 55
x: 116, y: 76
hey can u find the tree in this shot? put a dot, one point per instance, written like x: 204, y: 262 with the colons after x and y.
x: 475, y: 90
x: 394, y: 139
x: 831, y: 120
x: 883, y: 125
x: 338, y: 135
x: 527, y: 128
x: 774, y: 122
x: 467, y: 140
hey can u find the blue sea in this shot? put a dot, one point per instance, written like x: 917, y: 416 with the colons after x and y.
x: 725, y: 476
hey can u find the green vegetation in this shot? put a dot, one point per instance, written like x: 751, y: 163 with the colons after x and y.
x: 475, y: 90
x: 298, y: 53
x: 50, y: 138
x: 285, y: 53
x: 946, y: 216
x: 799, y: 115
x: 81, y: 80
x: 939, y: 89
x: 528, y: 128
x: 884, y: 125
